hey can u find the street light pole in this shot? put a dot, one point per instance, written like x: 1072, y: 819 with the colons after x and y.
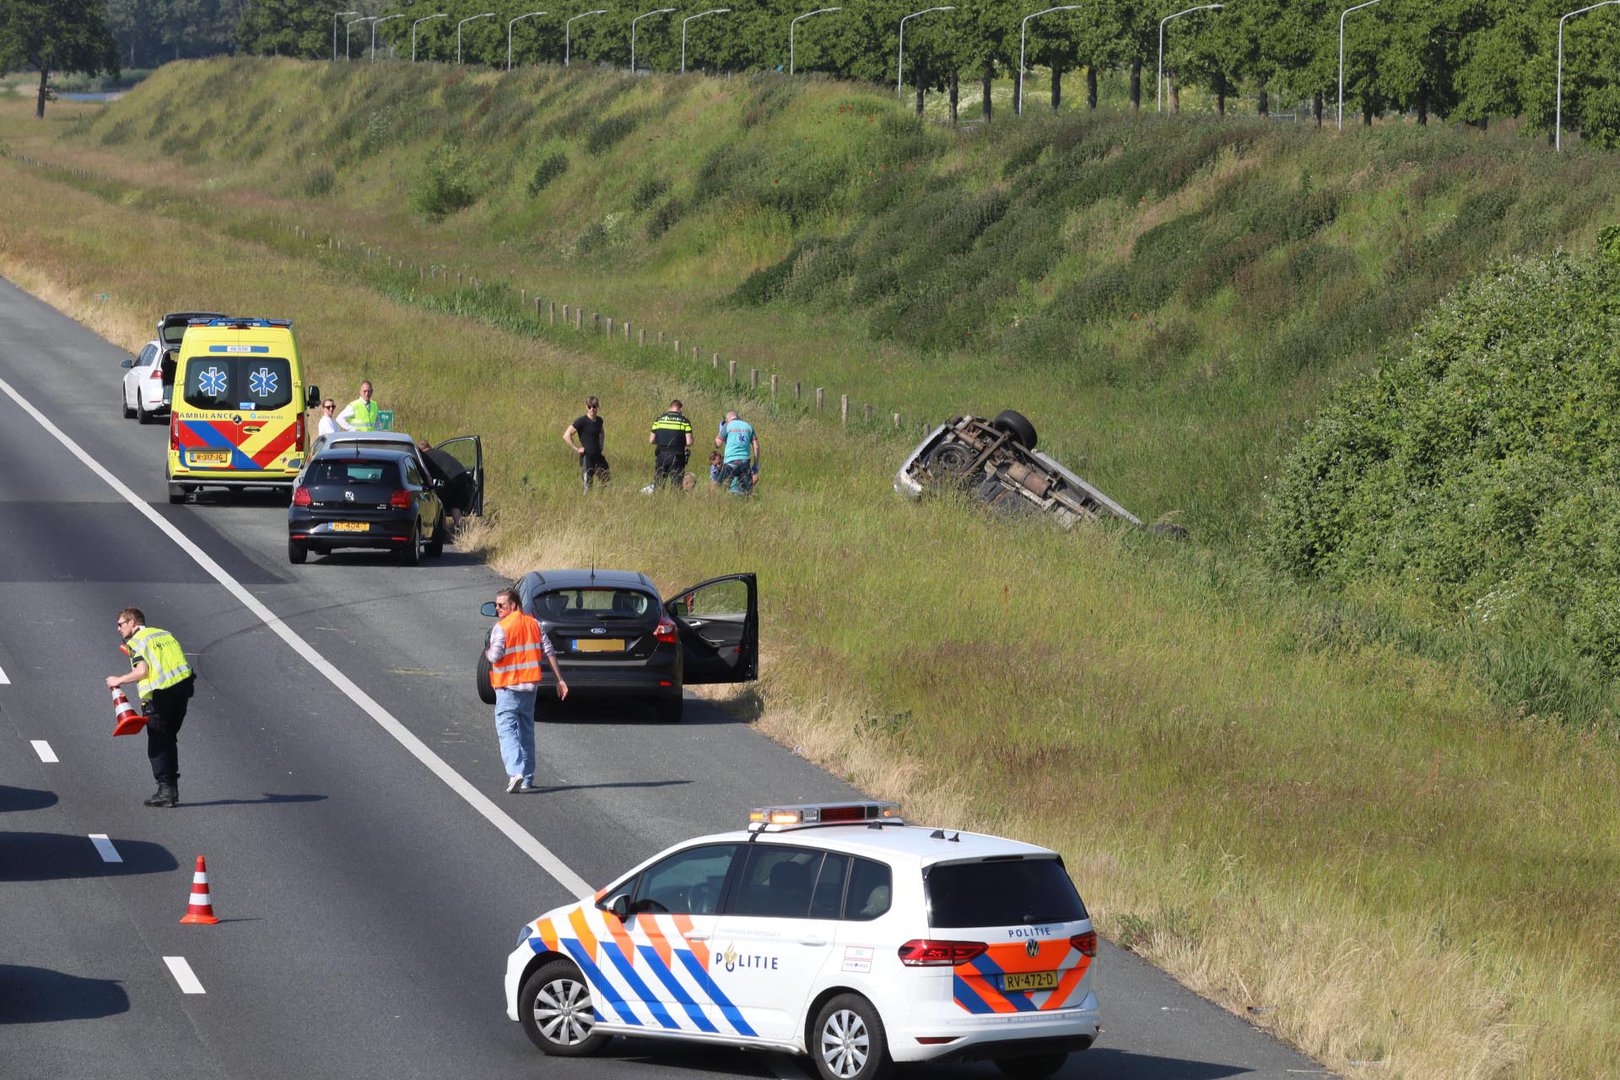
x: 464, y: 22
x: 1019, y: 107
x: 1167, y: 18
x: 509, y: 26
x: 1346, y: 11
x: 336, y: 15
x: 689, y: 18
x: 376, y: 23
x: 792, y: 25
x: 1558, y: 111
x: 900, y: 64
x: 638, y: 18
x: 346, y: 28
x: 568, y: 29
x: 423, y: 19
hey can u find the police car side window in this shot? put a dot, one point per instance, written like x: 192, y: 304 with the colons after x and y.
x: 688, y: 882
x: 871, y: 890
x: 827, y: 902
x: 778, y: 882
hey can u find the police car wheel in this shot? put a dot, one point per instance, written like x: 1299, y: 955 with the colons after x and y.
x: 555, y: 1009
x: 1033, y: 1067
x: 847, y: 1040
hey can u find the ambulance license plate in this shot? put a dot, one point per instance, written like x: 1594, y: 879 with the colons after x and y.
x: 350, y: 526
x: 1029, y: 980
x: 200, y: 457
x: 598, y: 645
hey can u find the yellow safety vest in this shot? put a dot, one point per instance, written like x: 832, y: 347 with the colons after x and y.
x: 365, y: 415
x: 165, y: 661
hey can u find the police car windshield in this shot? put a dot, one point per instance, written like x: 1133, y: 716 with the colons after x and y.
x: 1002, y: 892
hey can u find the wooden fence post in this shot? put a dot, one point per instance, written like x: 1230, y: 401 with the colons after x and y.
x: 641, y: 338
x: 579, y: 318
x: 753, y: 378
x: 731, y: 373
x: 798, y: 391
x: 843, y: 409
x: 773, y: 386
x: 821, y: 398
x: 677, y: 346
x: 869, y: 414
x: 897, y: 421
x: 714, y: 361
x: 551, y: 313
x: 536, y: 309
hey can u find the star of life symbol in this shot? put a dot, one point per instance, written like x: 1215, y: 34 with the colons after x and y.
x: 212, y: 381
x: 262, y: 382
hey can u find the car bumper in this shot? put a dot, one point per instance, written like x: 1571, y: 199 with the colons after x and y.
x: 1000, y: 1035
x: 516, y: 964
x: 379, y: 534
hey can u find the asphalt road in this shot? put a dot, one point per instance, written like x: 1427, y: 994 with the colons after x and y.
x: 344, y: 783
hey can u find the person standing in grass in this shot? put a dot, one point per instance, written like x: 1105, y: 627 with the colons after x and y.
x: 361, y: 413
x: 739, y: 448
x: 593, y: 463
x: 671, y: 436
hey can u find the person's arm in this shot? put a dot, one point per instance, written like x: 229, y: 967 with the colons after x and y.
x: 753, y: 450
x: 652, y: 437
x: 497, y: 644
x: 551, y: 658
x: 345, y: 417
x: 689, y: 438
x: 568, y: 437
x: 134, y: 674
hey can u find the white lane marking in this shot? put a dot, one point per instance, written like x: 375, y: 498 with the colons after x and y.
x: 3, y: 680
x: 43, y: 749
x: 534, y: 849
x: 189, y: 983
x: 104, y: 847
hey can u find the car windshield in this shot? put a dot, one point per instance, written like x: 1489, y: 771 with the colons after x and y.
x: 246, y: 383
x: 1001, y: 892
x: 352, y: 472
x: 593, y: 603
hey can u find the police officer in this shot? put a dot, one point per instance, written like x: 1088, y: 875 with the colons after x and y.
x: 361, y: 413
x: 671, y: 437
x: 166, y: 683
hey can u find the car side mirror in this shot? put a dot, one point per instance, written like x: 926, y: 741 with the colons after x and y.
x: 312, y: 396
x: 488, y: 610
x: 618, y: 906
x: 128, y: 363
x: 438, y: 484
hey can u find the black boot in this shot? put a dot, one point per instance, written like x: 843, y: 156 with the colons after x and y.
x: 167, y: 795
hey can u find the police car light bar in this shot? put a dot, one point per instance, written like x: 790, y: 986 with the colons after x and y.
x: 824, y: 814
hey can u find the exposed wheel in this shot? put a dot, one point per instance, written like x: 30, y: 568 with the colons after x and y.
x: 670, y: 709
x: 435, y: 544
x: 177, y: 493
x: 486, y: 689
x: 123, y: 403
x: 555, y: 1009
x: 847, y: 1040
x: 141, y: 415
x: 950, y: 462
x: 411, y: 553
x: 1034, y: 1067
x: 1016, y: 425
x: 297, y: 553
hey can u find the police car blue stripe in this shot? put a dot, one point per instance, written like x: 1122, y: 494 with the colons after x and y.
x: 715, y: 994
x: 968, y: 998
x: 639, y: 987
x: 992, y: 972
x: 667, y: 977
x: 601, y: 987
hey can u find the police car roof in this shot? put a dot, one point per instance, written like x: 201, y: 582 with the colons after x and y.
x: 921, y: 844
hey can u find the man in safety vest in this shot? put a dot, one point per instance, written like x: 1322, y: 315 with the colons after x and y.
x: 516, y: 645
x: 166, y: 682
x: 361, y: 413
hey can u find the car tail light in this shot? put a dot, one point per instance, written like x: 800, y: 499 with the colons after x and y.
x: 400, y: 500
x: 174, y: 430
x: 298, y: 434
x: 157, y: 373
x: 926, y: 952
x: 665, y: 631
x: 1086, y: 942
x: 301, y: 497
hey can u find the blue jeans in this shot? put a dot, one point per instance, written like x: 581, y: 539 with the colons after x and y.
x: 514, y: 726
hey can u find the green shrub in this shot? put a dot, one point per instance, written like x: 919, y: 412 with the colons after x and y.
x: 320, y: 181
x: 649, y: 191
x: 549, y: 168
x: 444, y: 185
x: 609, y: 131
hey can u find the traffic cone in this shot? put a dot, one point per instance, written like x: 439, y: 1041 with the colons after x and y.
x: 201, y: 909
x: 126, y: 720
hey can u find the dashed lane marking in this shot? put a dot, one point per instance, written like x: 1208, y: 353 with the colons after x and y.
x: 534, y: 849
x: 43, y: 749
x: 104, y: 847
x: 189, y: 983
x: 3, y: 680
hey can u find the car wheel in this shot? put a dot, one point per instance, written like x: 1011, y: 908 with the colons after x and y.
x: 411, y: 553
x: 297, y: 553
x: 1015, y: 424
x: 555, y: 1009
x: 847, y: 1040
x: 670, y: 709
x: 486, y: 689
x: 949, y: 462
x: 177, y: 493
x: 1033, y: 1067
x: 123, y: 402
x: 435, y: 545
x: 141, y: 415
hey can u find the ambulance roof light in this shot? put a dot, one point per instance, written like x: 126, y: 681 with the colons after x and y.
x: 240, y: 322
x: 764, y: 817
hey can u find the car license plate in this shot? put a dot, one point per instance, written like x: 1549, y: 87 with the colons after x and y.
x: 1029, y: 980
x: 350, y: 526
x: 598, y: 645
x: 217, y: 457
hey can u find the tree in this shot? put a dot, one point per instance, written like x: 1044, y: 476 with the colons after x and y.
x: 285, y: 28
x: 54, y: 36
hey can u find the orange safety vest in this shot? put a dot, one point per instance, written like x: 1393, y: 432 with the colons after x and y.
x: 520, y: 663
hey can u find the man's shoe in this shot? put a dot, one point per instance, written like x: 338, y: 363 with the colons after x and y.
x: 513, y: 784
x: 527, y: 788
x: 167, y: 795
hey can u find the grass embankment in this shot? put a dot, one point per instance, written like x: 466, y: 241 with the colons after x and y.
x: 1351, y: 838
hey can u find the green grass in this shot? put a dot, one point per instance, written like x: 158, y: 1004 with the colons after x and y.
x: 1297, y: 802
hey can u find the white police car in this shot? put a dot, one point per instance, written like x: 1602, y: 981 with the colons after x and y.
x: 834, y: 930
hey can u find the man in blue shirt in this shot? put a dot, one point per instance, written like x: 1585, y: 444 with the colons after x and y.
x: 739, y: 444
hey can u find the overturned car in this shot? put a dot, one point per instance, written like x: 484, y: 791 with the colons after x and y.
x: 996, y: 460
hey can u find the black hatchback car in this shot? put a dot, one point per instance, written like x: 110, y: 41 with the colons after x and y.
x: 615, y: 636
x: 365, y: 498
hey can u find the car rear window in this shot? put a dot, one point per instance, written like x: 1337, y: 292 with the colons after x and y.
x: 594, y: 603
x: 1001, y: 892
x: 238, y: 382
x: 353, y: 471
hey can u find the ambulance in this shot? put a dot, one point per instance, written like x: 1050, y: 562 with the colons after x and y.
x: 237, y: 418
x: 833, y: 930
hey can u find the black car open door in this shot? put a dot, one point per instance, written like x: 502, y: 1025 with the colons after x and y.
x: 469, y: 450
x: 719, y: 627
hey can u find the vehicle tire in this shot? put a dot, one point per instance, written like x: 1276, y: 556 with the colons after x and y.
x: 555, y: 1010
x: 949, y: 462
x: 670, y: 709
x: 123, y: 403
x: 141, y: 415
x: 847, y: 1040
x: 1165, y: 528
x: 297, y: 553
x: 1016, y: 425
x: 411, y: 553
x: 177, y: 493
x: 1033, y: 1067
x: 435, y: 545
x: 486, y: 688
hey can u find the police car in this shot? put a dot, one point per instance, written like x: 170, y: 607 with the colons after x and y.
x: 837, y: 931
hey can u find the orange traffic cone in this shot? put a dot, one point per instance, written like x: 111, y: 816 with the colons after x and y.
x: 201, y: 909
x: 126, y: 720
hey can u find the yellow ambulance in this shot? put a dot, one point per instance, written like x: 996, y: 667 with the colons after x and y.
x: 238, y: 413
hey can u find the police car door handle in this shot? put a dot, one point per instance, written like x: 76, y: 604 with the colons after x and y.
x: 813, y: 939
x: 697, y: 935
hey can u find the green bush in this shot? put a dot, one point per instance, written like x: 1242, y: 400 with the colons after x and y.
x: 444, y: 185
x: 549, y: 168
x: 649, y: 191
